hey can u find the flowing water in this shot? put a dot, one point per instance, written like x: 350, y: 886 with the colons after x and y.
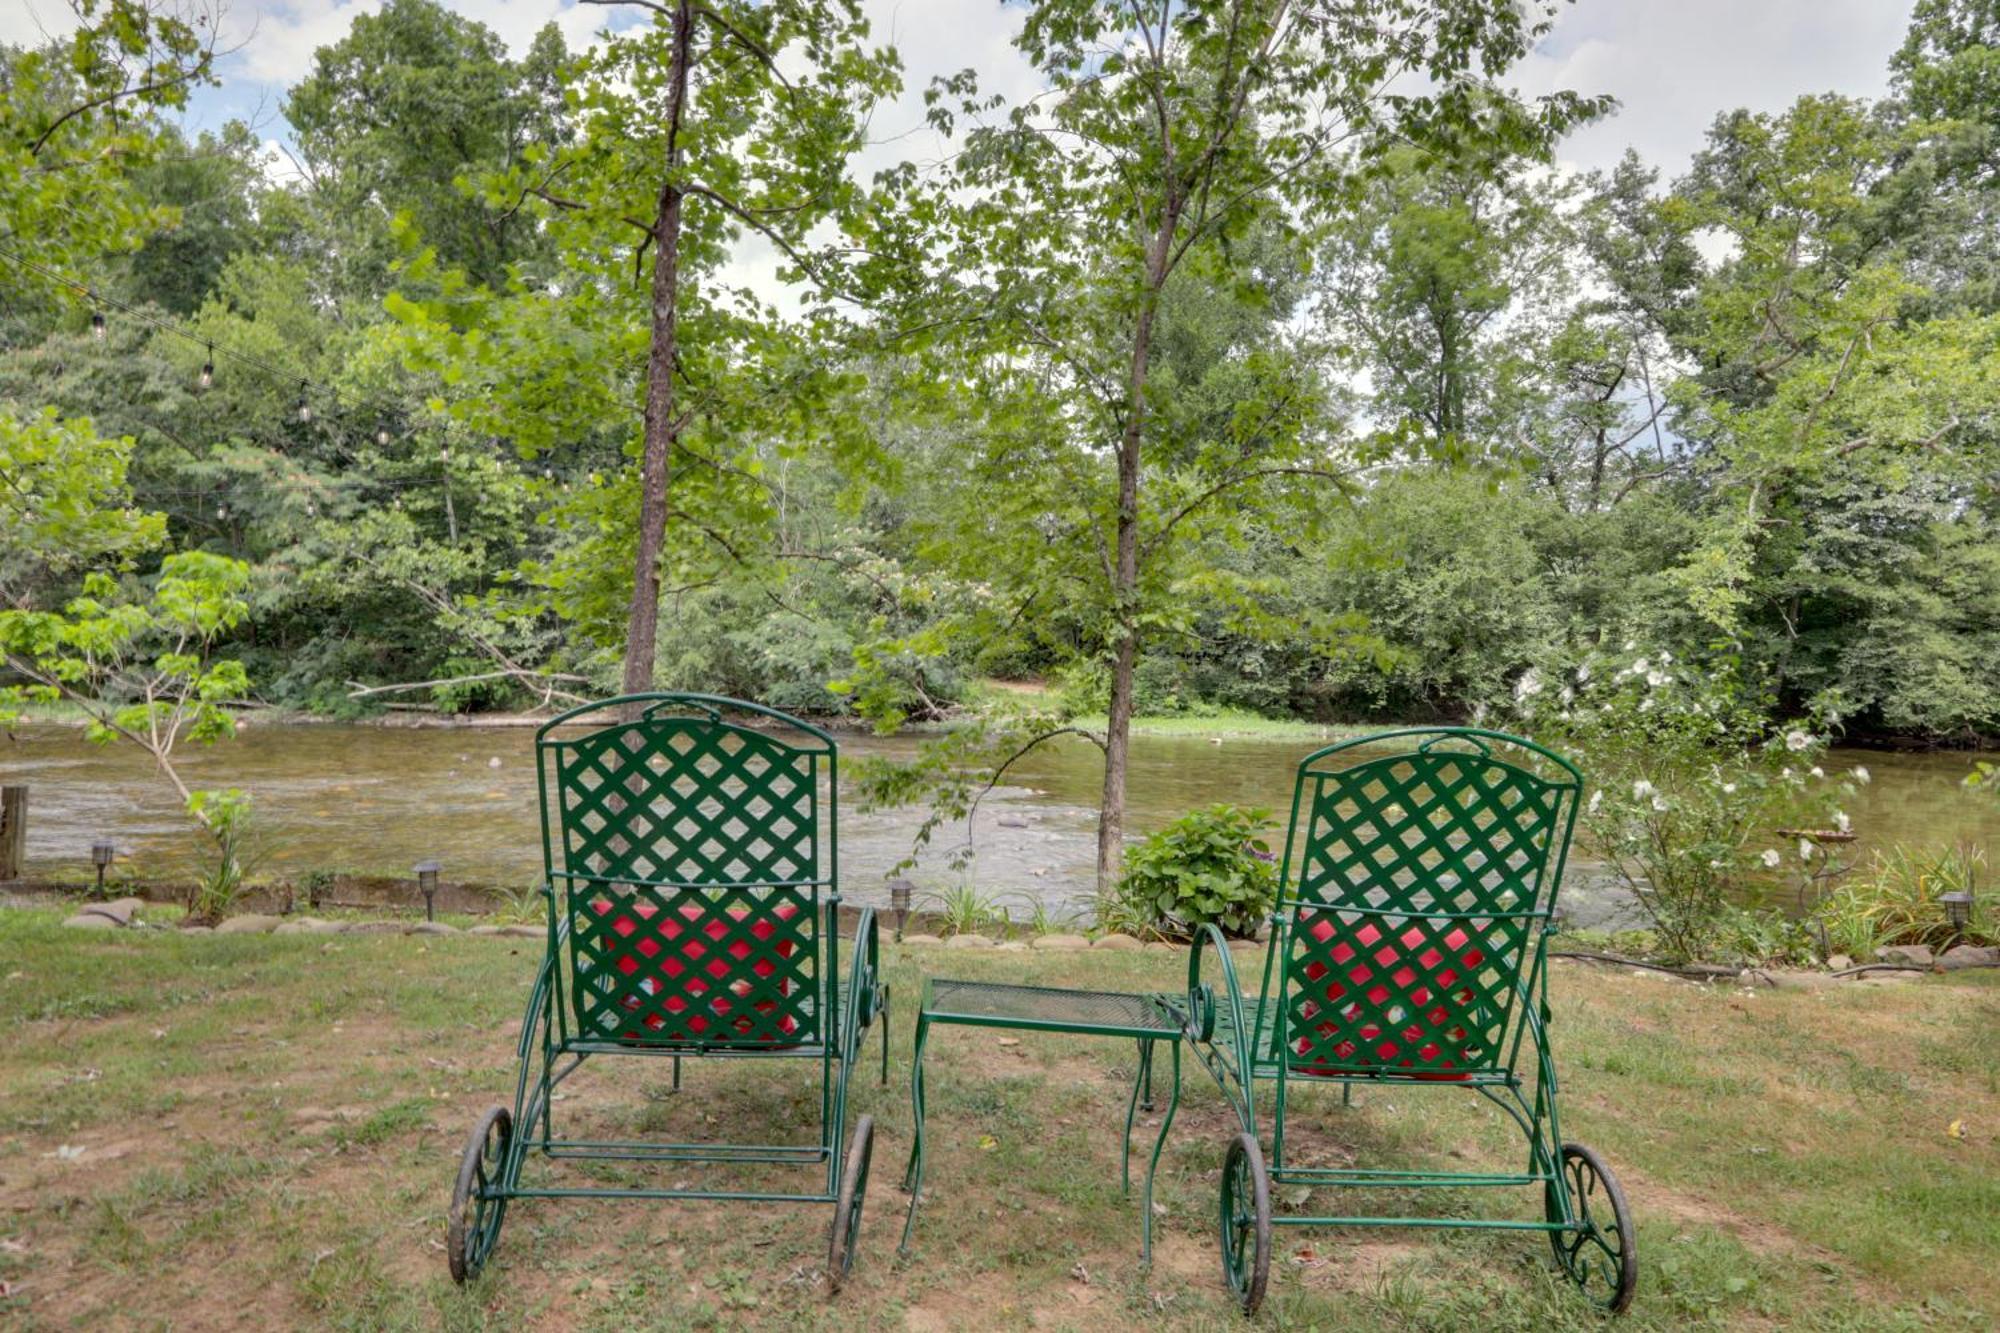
x: 378, y: 799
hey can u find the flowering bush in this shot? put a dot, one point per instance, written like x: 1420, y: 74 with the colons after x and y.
x: 1691, y: 784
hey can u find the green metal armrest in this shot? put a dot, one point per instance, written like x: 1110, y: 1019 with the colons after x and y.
x: 1201, y: 1016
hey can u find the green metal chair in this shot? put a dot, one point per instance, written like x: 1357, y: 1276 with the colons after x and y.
x: 692, y: 882
x: 1408, y: 948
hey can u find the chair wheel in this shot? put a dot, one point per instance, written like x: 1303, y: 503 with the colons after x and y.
x: 1601, y: 1256
x: 1246, y: 1222
x: 476, y: 1213
x: 847, y: 1209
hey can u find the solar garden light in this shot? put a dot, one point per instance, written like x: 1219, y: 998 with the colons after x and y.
x: 1957, y: 909
x: 900, y: 891
x: 101, y: 853
x: 427, y: 884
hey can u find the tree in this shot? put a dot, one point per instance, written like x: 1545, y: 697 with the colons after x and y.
x: 405, y: 114
x: 76, y: 117
x: 1166, y: 137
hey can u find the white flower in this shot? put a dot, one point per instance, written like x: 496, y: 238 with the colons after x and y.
x: 1805, y: 849
x: 1583, y: 673
x: 1657, y: 678
x: 1642, y: 789
x: 1567, y: 696
x: 1728, y: 789
x: 1842, y: 822
x: 1641, y: 667
x: 1645, y: 705
x: 1796, y: 740
x: 1772, y: 858
x: 1861, y: 775
x: 1785, y: 773
x: 1660, y: 804
x: 1665, y: 657
x: 1529, y: 685
x: 1596, y: 799
x: 1817, y: 771
x: 1630, y: 645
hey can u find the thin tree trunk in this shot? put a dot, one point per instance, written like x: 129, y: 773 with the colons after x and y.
x: 1125, y: 571
x: 642, y: 629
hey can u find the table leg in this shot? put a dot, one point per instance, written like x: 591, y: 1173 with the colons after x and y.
x: 913, y: 1172
x: 1173, y: 1105
x: 1144, y: 1074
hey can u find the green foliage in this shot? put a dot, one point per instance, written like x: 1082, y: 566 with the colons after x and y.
x: 229, y: 852
x: 1691, y: 787
x: 1894, y: 900
x: 963, y: 910
x: 1212, y: 865
x: 64, y: 500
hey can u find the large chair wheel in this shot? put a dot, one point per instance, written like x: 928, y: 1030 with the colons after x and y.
x: 475, y: 1213
x: 1246, y: 1222
x: 1600, y: 1255
x: 847, y: 1208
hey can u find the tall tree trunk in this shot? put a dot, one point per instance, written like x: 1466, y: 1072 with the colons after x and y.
x: 643, y: 626
x: 1125, y: 570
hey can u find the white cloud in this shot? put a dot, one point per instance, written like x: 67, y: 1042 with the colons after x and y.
x: 1674, y: 65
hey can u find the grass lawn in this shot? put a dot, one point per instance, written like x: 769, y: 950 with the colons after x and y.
x: 269, y: 1127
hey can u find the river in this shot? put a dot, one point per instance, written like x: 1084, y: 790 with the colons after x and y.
x: 378, y: 799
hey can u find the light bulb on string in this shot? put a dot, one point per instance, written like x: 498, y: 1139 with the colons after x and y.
x: 305, y: 407
x: 207, y: 376
x: 382, y: 435
x: 97, y: 329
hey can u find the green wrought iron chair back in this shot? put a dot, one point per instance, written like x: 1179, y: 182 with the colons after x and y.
x: 1414, y: 886
x: 688, y: 854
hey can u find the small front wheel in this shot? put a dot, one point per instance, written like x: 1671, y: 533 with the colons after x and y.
x: 1597, y: 1248
x: 476, y: 1207
x: 847, y: 1208
x: 1246, y: 1222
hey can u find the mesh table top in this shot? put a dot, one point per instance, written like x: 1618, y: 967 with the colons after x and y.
x: 1049, y: 1008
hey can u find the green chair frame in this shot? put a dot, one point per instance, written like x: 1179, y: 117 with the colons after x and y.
x: 1409, y: 948
x: 691, y: 879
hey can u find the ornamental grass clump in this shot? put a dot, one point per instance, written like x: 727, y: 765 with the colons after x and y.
x: 1212, y: 865
x: 1691, y: 786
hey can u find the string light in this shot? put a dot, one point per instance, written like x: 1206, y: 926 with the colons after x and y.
x: 207, y: 376
x: 97, y: 325
x: 305, y: 407
x: 382, y: 435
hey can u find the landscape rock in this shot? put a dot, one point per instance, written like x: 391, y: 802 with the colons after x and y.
x: 1787, y: 979
x: 433, y: 928
x: 968, y: 942
x: 921, y: 938
x: 197, y: 930
x: 1116, y: 942
x: 92, y: 921
x: 484, y: 930
x: 375, y: 927
x: 120, y: 910
x: 1840, y: 962
x: 1011, y: 946
x: 251, y: 923
x: 1061, y: 942
x: 525, y: 932
x: 1163, y: 946
x: 1011, y: 821
x: 1880, y: 978
x: 1910, y: 955
x: 308, y: 925
x: 1969, y: 955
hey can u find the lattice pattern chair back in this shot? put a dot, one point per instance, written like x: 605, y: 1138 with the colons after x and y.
x: 688, y: 856
x: 1414, y: 885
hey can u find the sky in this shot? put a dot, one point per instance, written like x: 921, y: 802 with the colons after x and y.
x: 1673, y: 64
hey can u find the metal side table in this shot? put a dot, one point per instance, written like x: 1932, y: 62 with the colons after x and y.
x: 1144, y: 1018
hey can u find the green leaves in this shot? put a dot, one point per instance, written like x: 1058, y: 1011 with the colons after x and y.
x: 1210, y: 865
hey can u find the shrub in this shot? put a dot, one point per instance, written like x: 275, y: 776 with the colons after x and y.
x: 228, y: 852
x: 1210, y: 865
x: 1895, y: 901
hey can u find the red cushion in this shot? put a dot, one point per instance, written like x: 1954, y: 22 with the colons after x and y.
x: 1422, y: 977
x: 693, y: 967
